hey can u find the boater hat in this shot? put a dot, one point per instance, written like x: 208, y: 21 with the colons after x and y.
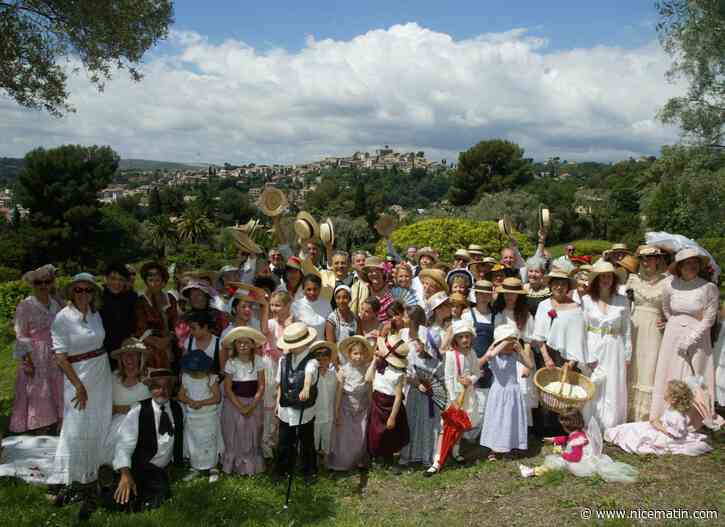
x: 318, y: 347
x: 602, y: 267
x: 296, y: 335
x: 462, y: 254
x: 504, y: 225
x: 349, y: 342
x: 544, y: 218
x: 327, y: 232
x: 306, y: 226
x: 483, y: 286
x: 395, y: 350
x: 437, y: 300
x: 557, y: 272
x: 272, y: 201
x: 511, y: 285
x: 158, y: 373
x: 426, y: 251
x: 437, y: 275
x: 475, y: 250
x: 244, y: 242
x: 243, y: 332
x: 130, y: 344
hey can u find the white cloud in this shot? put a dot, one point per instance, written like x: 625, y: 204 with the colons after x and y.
x: 406, y: 85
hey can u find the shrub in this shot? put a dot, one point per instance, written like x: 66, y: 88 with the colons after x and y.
x: 716, y: 247
x: 447, y: 235
x: 8, y: 274
x: 11, y: 293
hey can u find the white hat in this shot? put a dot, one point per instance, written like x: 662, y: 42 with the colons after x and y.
x: 243, y: 332
x: 460, y: 327
x: 296, y: 335
x: 437, y: 300
x: 504, y: 332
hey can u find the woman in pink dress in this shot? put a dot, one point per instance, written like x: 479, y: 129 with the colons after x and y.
x: 690, y: 306
x: 38, y: 404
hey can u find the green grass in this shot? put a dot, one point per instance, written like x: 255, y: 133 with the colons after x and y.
x: 481, y: 493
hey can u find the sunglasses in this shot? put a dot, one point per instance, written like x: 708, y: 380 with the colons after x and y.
x: 43, y: 282
x: 86, y: 290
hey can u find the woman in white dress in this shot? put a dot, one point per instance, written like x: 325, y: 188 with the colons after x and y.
x: 312, y: 309
x: 77, y: 335
x: 609, y: 345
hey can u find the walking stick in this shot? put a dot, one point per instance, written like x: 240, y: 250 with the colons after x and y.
x: 294, y: 465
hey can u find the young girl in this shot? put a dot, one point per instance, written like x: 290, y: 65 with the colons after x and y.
x: 242, y: 307
x: 512, y: 309
x: 348, y: 448
x: 312, y: 308
x: 433, y: 282
x: 369, y: 325
x: 388, y: 427
x: 460, y: 281
x: 460, y: 372
x: 424, y: 417
x: 577, y: 453
x: 324, y: 352
x: 342, y: 322
x: 505, y: 428
x: 668, y: 435
x: 242, y: 410
x: 201, y: 337
x: 438, y: 321
x: 396, y: 315
x: 200, y: 393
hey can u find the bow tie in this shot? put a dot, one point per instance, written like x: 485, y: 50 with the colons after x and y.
x: 165, y: 426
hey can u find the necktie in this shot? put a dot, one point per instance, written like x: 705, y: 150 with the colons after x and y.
x: 165, y: 426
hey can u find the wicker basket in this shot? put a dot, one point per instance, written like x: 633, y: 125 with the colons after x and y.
x: 557, y: 402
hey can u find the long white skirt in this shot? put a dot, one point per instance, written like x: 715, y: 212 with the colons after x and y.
x: 81, y: 445
x: 203, y: 442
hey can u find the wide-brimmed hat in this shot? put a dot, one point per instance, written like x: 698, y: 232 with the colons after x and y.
x: 371, y: 262
x: 228, y: 269
x: 272, y: 201
x: 462, y: 254
x: 465, y: 273
x: 81, y: 277
x: 459, y: 327
x: 296, y: 335
x: 196, y: 360
x: 306, y: 226
x: 649, y: 250
x: 294, y: 262
x: 426, y: 251
x: 395, y: 349
x: 483, y: 286
x: 158, y: 373
x: 617, y: 247
x: 630, y: 263
x: 44, y: 271
x: 243, y: 241
x: 437, y: 275
x: 505, y: 227
x: 131, y: 344
x: 327, y: 232
x: 201, y: 286
x: 243, y: 332
x: 602, y: 267
x: 544, y: 217
x: 505, y: 332
x: 246, y: 293
x: 347, y: 343
x: 385, y: 225
x: 686, y: 254
x: 437, y: 299
x: 146, y: 268
x: 511, y: 285
x: 559, y: 273
x: 458, y: 299
x: 317, y: 347
x: 475, y: 250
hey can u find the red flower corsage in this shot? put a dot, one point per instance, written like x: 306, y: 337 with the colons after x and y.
x: 552, y: 314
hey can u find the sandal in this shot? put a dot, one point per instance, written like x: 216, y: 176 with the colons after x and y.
x: 431, y: 471
x: 492, y: 457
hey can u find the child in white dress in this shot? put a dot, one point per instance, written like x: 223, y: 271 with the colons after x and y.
x: 325, y: 403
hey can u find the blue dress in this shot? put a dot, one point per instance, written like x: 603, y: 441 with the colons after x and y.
x: 505, y: 425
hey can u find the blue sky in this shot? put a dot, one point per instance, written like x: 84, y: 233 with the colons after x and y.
x: 292, y: 82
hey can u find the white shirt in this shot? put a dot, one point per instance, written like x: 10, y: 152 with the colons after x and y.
x: 388, y: 381
x: 244, y: 371
x: 326, y: 388
x: 73, y: 335
x: 125, y: 396
x: 290, y: 415
x: 208, y: 351
x: 480, y: 317
x: 314, y: 314
x: 128, y: 437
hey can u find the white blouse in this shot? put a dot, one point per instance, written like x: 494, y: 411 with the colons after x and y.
x: 387, y: 381
x: 73, y: 335
x: 125, y: 396
x: 507, y: 317
x: 244, y: 371
x: 566, y: 332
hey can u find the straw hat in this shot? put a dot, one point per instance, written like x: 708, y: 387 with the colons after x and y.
x: 146, y: 268
x: 544, y: 218
x: 458, y: 299
x: 272, y: 201
x: 437, y: 275
x: 318, y: 347
x: 296, y: 335
x: 475, y: 250
x: 505, y: 227
x: 462, y: 254
x: 196, y: 360
x: 686, y: 254
x: 630, y: 263
x: 327, y: 232
x: 511, y: 285
x: 601, y: 267
x: 558, y: 272
x: 617, y: 247
x: 130, y: 344
x: 371, y: 262
x: 243, y: 332
x: 483, y: 286
x: 309, y: 268
x: 158, y: 373
x: 244, y: 242
x: 437, y: 300
x: 294, y: 262
x: 245, y: 293
x: 459, y: 327
x: 385, y: 225
x: 395, y: 349
x: 306, y: 226
x: 505, y: 332
x: 346, y: 344
x: 47, y: 270
x: 649, y: 250
x: 465, y: 273
x: 426, y: 251
x: 201, y: 286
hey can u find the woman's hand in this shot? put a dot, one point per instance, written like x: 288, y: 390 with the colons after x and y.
x: 390, y: 424
x: 126, y: 488
x: 661, y: 324
x: 81, y: 398
x: 548, y: 362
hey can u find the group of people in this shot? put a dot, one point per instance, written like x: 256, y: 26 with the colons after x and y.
x: 353, y: 359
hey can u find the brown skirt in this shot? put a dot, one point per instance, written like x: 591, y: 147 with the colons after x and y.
x: 381, y: 441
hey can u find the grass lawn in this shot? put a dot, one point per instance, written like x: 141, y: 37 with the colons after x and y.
x: 480, y: 493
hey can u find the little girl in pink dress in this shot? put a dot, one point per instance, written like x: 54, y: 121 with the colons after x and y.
x: 669, y: 434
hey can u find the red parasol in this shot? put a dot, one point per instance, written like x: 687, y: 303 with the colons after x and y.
x: 455, y: 422
x: 581, y: 260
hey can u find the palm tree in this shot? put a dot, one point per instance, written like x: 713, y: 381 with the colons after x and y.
x: 160, y: 234
x: 195, y: 226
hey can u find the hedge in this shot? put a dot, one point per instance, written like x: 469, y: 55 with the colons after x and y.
x: 447, y: 235
x: 11, y: 293
x: 583, y: 247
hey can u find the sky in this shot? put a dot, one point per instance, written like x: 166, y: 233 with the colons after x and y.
x: 292, y: 82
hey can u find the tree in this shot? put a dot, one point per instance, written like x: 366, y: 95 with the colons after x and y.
x: 234, y: 206
x: 37, y: 35
x: 155, y: 208
x: 489, y: 166
x: 160, y: 235
x: 693, y: 33
x: 194, y: 226
x: 172, y: 201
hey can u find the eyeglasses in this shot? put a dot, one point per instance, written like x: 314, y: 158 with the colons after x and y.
x: 86, y: 290
x: 43, y: 282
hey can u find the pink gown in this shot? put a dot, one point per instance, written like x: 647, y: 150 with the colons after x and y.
x: 38, y: 398
x: 642, y: 438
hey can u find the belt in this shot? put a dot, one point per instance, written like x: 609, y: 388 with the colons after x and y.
x: 604, y: 331
x: 85, y: 356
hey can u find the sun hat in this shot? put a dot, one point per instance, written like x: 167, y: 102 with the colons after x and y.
x: 228, y: 269
x: 46, y: 270
x: 81, y: 277
x: 272, y: 201
x: 630, y: 263
x: 196, y: 360
x: 296, y: 335
x: 426, y: 251
x: 511, y: 285
x: 558, y: 272
x: 148, y: 266
x: 158, y: 373
x: 306, y: 226
x: 459, y: 327
x: 458, y: 299
x: 395, y: 349
x: 317, y: 348
x: 243, y: 332
x: 327, y: 232
x: 649, y: 250
x: 349, y: 342
x: 475, y: 250
x: 504, y: 226
x: 505, y: 332
x: 602, y: 267
x: 462, y: 254
x: 544, y: 217
x: 371, y: 262
x: 385, y: 225
x: 245, y: 293
x: 243, y: 241
x: 437, y: 300
x: 201, y: 286
x: 130, y: 344
x: 483, y: 286
x: 294, y: 262
x: 437, y: 275
x: 465, y: 273
x: 686, y: 254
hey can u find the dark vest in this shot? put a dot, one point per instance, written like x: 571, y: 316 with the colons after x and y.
x: 293, y: 380
x: 147, y: 445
